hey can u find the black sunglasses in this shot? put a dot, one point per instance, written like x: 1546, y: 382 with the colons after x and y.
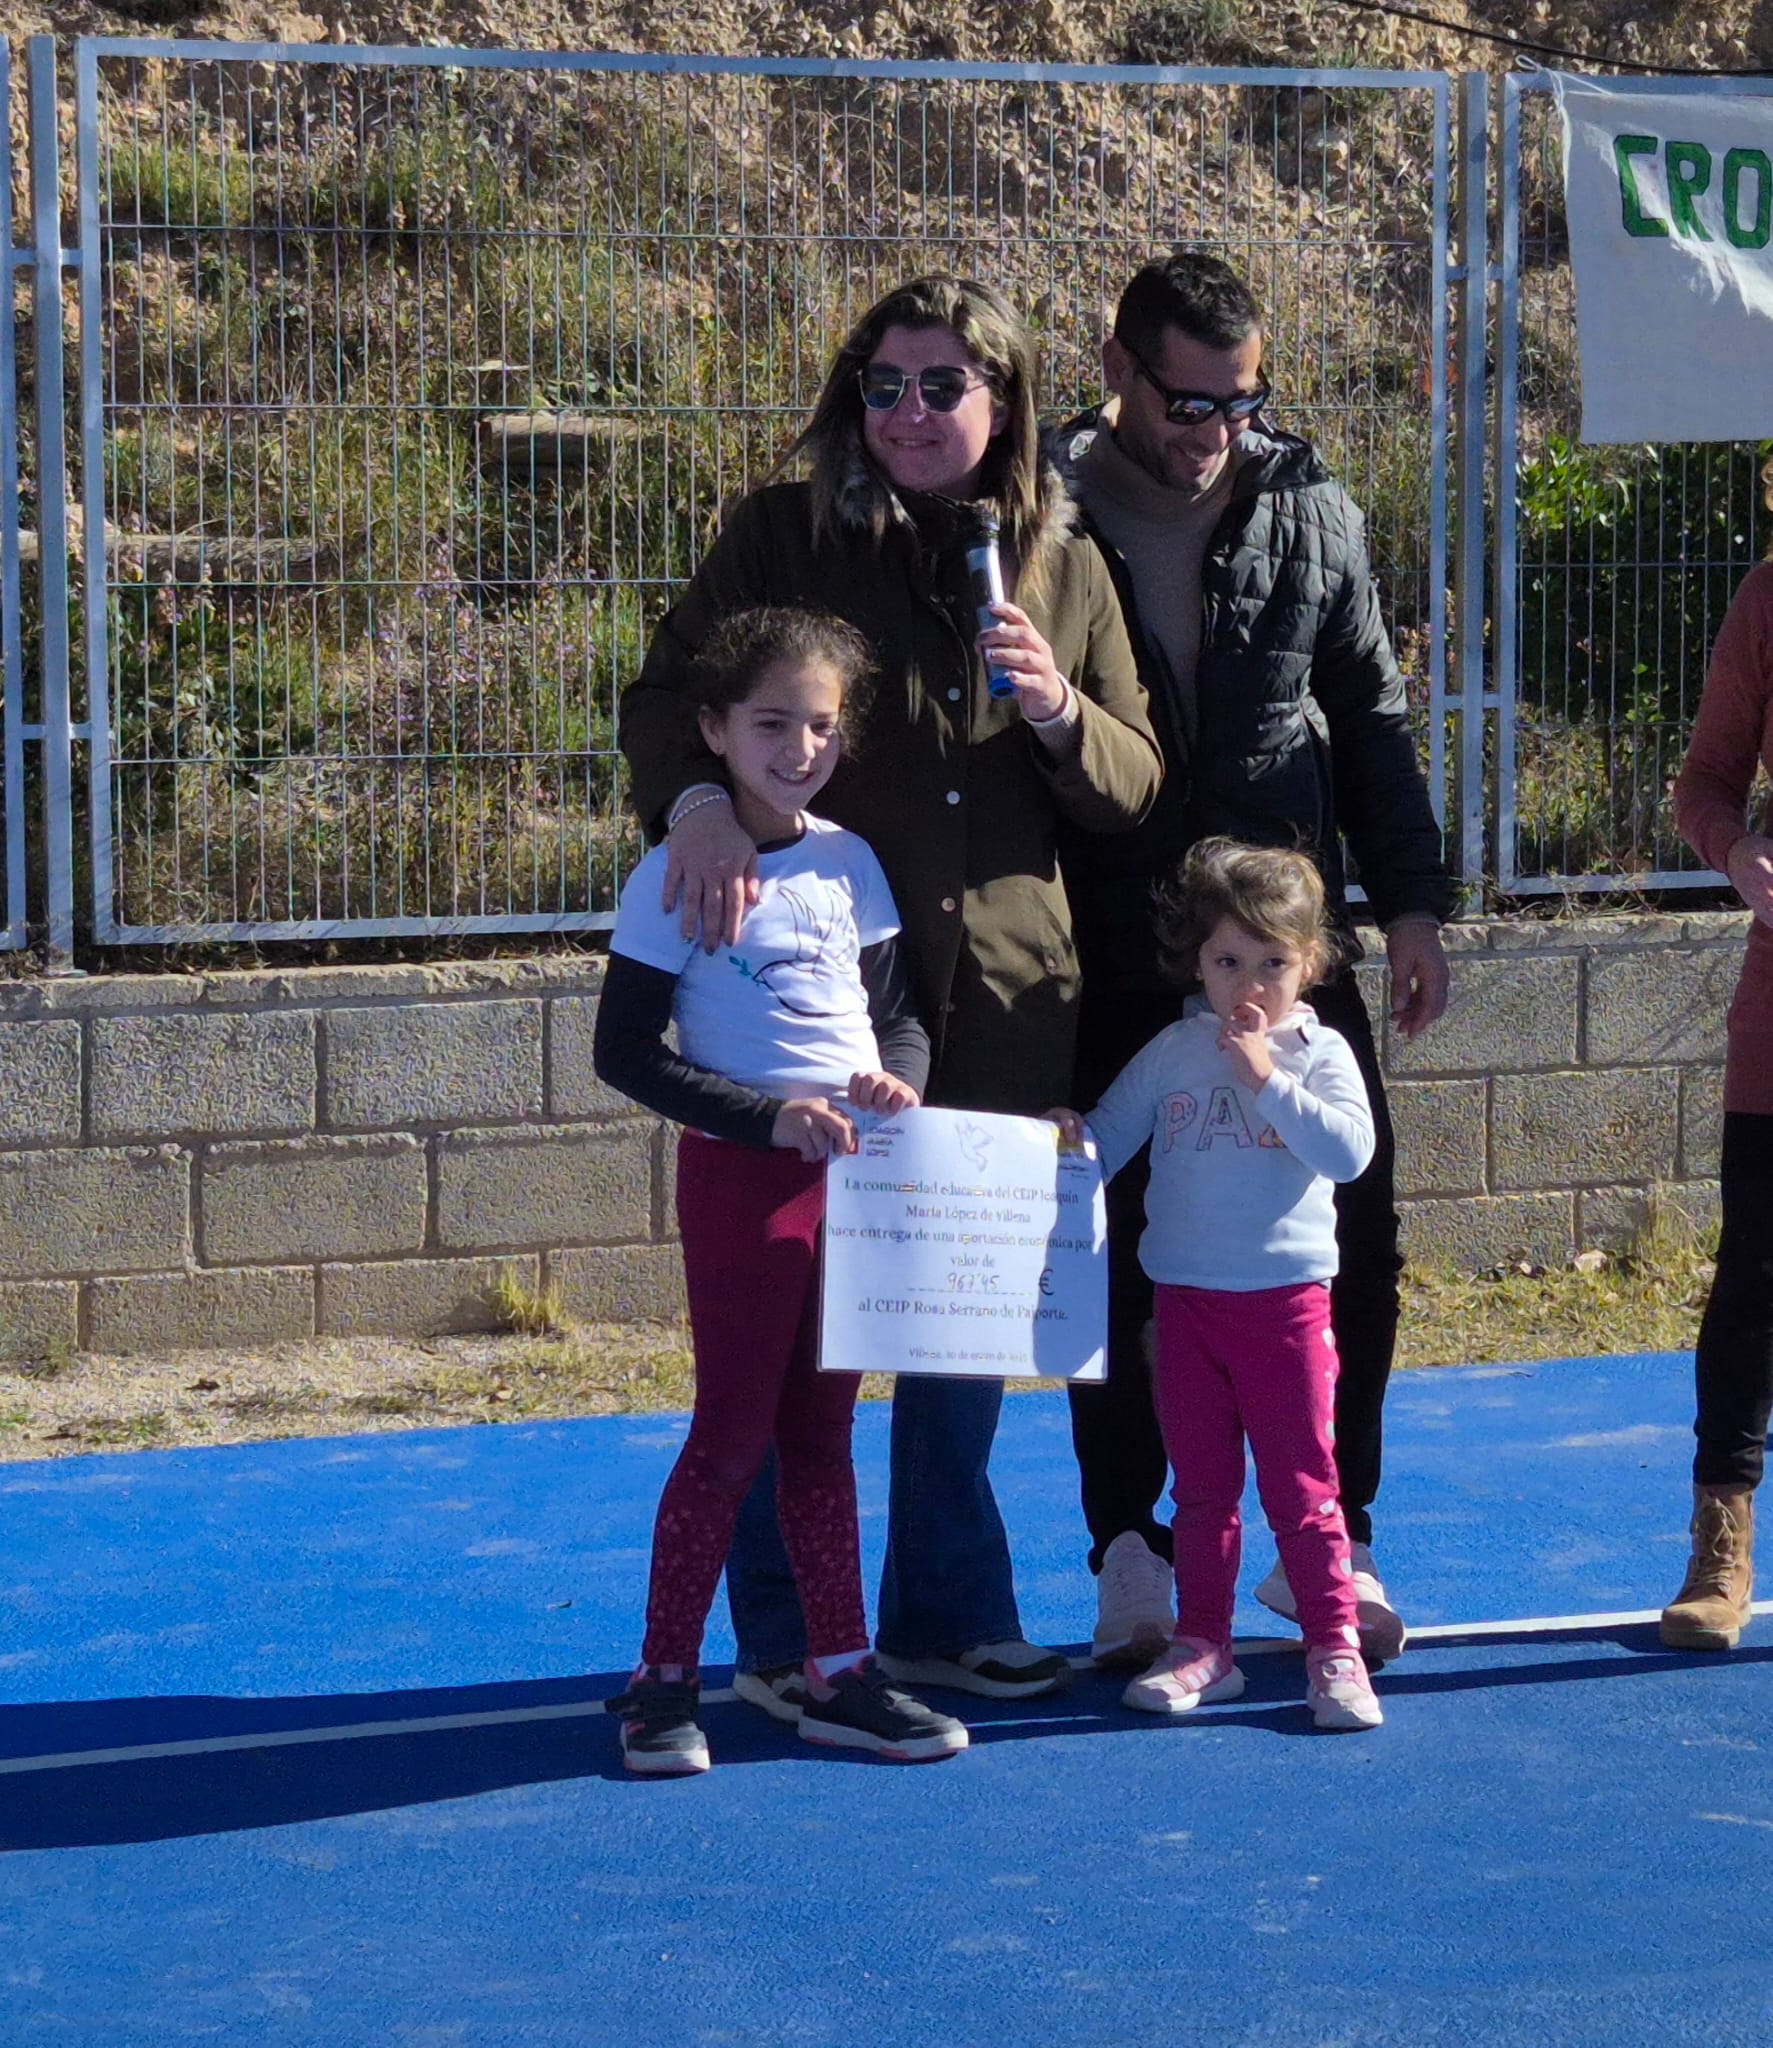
x: 1195, y: 408
x: 942, y: 387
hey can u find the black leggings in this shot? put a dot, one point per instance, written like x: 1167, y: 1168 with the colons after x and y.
x: 1734, y: 1364
x: 1114, y: 1429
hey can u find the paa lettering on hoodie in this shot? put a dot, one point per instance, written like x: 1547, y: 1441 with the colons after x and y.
x: 1224, y: 1119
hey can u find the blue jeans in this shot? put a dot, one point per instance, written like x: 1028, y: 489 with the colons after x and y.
x: 946, y: 1583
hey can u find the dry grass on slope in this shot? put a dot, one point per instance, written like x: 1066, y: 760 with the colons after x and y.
x: 1735, y: 34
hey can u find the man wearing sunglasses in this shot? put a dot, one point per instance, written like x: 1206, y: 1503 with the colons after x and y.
x: 1243, y: 574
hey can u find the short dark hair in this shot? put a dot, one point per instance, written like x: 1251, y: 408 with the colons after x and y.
x: 1190, y: 290
x: 1275, y: 893
x: 736, y: 653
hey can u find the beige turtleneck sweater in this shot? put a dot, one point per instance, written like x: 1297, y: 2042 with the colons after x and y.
x: 1162, y: 536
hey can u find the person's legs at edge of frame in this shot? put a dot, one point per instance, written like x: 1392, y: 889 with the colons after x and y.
x: 947, y: 1597
x: 1364, y: 1315
x: 1733, y: 1372
x: 1197, y: 1407
x: 1121, y: 1462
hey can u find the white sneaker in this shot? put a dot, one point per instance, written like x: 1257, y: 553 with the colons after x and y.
x: 1277, y: 1596
x: 1012, y: 1670
x: 1191, y: 1673
x: 781, y: 1693
x: 1383, y: 1635
x: 1338, y: 1690
x: 1135, y: 1604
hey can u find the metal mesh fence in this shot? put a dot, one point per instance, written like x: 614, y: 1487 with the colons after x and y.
x: 415, y: 391
x: 1616, y: 567
x: 12, y: 652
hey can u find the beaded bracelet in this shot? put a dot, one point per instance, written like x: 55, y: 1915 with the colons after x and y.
x: 701, y: 803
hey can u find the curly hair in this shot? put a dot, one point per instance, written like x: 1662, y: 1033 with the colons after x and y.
x: 1273, y: 892
x: 734, y: 657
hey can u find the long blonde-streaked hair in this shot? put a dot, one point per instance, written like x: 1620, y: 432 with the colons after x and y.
x: 998, y: 340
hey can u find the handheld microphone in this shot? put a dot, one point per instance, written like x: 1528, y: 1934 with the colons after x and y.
x: 985, y: 573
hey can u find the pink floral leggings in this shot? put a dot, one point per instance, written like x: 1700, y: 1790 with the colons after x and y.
x: 750, y: 1223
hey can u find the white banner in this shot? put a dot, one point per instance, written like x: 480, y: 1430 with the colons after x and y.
x: 964, y: 1244
x: 1670, y: 204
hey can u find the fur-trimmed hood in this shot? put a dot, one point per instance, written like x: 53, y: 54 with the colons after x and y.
x: 864, y: 501
x: 961, y: 808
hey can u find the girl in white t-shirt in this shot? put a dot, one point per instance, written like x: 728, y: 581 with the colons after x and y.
x: 1253, y: 1110
x: 779, y: 1035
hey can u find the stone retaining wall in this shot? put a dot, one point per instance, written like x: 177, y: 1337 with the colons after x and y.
x: 244, y: 1157
x: 1579, y: 1066
x: 233, y: 1158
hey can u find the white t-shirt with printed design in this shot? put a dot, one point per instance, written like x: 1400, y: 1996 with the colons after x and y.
x: 785, y: 1010
x: 1241, y: 1179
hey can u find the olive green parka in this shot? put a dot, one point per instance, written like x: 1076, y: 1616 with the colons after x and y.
x: 960, y: 802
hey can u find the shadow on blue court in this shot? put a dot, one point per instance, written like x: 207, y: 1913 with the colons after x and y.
x: 300, y: 1745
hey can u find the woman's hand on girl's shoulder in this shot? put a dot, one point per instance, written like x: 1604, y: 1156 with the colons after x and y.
x: 1071, y: 1126
x: 810, y: 1126
x: 885, y: 1093
x: 711, y: 867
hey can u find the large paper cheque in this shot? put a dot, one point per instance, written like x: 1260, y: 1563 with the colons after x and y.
x: 964, y: 1244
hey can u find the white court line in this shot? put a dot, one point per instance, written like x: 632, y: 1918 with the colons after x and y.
x: 570, y: 1710
x: 1550, y: 1624
x: 288, y: 1738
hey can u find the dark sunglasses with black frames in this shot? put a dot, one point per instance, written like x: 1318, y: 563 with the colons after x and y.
x: 1195, y: 408
x: 942, y: 386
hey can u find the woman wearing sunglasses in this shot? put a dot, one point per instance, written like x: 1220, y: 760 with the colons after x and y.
x: 927, y: 417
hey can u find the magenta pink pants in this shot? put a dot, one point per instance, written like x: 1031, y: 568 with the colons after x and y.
x: 750, y: 1223
x: 1261, y: 1365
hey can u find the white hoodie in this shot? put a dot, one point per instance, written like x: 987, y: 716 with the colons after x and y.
x: 1240, y: 1194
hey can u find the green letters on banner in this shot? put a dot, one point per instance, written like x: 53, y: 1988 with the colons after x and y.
x: 1689, y: 174
x: 1752, y: 235
x: 1631, y: 211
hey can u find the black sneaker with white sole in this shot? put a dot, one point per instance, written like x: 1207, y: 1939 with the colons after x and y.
x: 661, y: 1737
x: 780, y: 1691
x: 1012, y: 1670
x: 867, y: 1711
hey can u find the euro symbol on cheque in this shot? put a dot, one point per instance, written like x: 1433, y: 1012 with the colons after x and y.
x: 1046, y: 1280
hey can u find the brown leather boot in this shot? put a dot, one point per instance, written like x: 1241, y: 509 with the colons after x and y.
x: 1709, y: 1611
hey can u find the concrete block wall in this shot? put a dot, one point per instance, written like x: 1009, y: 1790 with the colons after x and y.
x: 240, y: 1158
x: 1577, y: 1072
x: 244, y: 1157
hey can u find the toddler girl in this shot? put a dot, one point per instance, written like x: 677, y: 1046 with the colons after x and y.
x: 1253, y: 1108
x: 779, y: 1034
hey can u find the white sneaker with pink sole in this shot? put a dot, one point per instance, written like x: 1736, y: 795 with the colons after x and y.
x: 1191, y: 1673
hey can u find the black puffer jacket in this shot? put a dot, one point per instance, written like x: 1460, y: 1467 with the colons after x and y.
x: 1296, y: 730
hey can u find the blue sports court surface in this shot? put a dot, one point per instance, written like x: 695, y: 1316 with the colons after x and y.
x: 298, y: 1748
